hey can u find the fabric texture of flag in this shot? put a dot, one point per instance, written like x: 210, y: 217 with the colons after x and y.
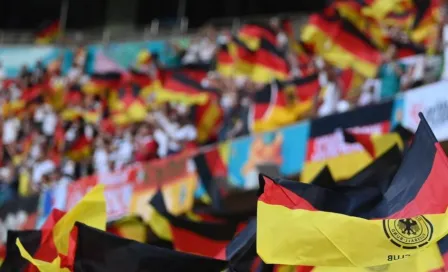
x: 330, y: 234
x: 112, y: 253
x: 270, y: 63
x: 252, y: 34
x: 424, y: 152
x: 202, y: 238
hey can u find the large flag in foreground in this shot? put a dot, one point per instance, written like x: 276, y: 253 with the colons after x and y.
x: 399, y: 222
x: 100, y: 251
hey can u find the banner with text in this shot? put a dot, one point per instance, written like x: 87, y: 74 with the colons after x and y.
x: 326, y: 144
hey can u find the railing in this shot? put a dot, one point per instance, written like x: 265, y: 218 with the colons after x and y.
x: 156, y: 30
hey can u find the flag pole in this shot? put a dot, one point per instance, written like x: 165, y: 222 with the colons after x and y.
x: 63, y: 19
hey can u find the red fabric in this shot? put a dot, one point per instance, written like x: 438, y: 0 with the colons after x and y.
x: 187, y: 241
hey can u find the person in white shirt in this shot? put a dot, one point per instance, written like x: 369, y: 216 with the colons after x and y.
x: 74, y: 74
x: 10, y: 130
x: 332, y: 93
x: 42, y: 167
x: 124, y: 152
x: 101, y: 158
x: 49, y: 122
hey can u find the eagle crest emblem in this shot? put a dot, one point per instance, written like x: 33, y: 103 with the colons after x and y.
x: 408, y: 233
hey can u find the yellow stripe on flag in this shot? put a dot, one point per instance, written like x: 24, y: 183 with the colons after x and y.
x: 91, y: 210
x: 301, y: 237
x: 42, y: 266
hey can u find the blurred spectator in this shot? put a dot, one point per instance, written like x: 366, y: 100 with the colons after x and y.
x: 203, y: 48
x: 390, y: 74
x: 2, y: 74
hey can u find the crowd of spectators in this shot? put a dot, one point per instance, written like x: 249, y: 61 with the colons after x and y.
x: 36, y: 141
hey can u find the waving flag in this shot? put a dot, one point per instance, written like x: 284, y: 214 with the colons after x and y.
x: 112, y: 253
x: 411, y: 206
x: 203, y: 238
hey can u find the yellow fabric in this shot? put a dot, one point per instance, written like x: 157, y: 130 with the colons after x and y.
x: 208, y: 122
x: 425, y: 261
x: 282, y: 116
x: 263, y: 74
x: 301, y: 237
x: 54, y: 266
x: 91, y: 210
x: 143, y: 57
x: 380, y: 8
x: 24, y: 183
x: 179, y: 196
x: 225, y: 69
x: 345, y: 166
x: 165, y: 95
x: 336, y: 55
x: 341, y: 167
x: 136, y: 112
x: 160, y: 225
x: 132, y: 229
x: 251, y: 42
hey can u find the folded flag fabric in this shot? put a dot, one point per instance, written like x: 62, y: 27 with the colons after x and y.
x: 324, y: 178
x: 99, y: 251
x: 375, y: 145
x: 202, y: 238
x: 241, y: 251
x: 382, y: 169
x: 405, y: 201
x: 31, y: 239
x: 314, y: 237
x: 56, y: 241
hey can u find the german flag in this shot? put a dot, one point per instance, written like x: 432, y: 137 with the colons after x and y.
x: 241, y: 252
x: 289, y: 204
x: 112, y: 253
x: 244, y: 58
x: 408, y: 49
x: 276, y: 105
x: 183, y: 89
x: 130, y: 228
x: 304, y: 54
x: 208, y: 118
x: 342, y: 44
x: 31, y: 239
x: 201, y: 238
x: 428, y: 16
x: 270, y: 63
x: 224, y: 60
x: 252, y: 34
x: 212, y: 169
x: 383, y: 168
x: 375, y: 145
x: 306, y: 87
x: 139, y: 78
x: 57, y: 233
x: 80, y: 149
x: 195, y: 71
x: 48, y: 33
x: 379, y: 9
x: 351, y: 83
x: 100, y: 82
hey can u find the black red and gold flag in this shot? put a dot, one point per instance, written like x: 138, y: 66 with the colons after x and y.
x: 112, y: 253
x: 224, y: 60
x: 184, y: 89
x: 48, y: 32
x: 270, y: 63
x: 201, y: 238
x: 252, y: 34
